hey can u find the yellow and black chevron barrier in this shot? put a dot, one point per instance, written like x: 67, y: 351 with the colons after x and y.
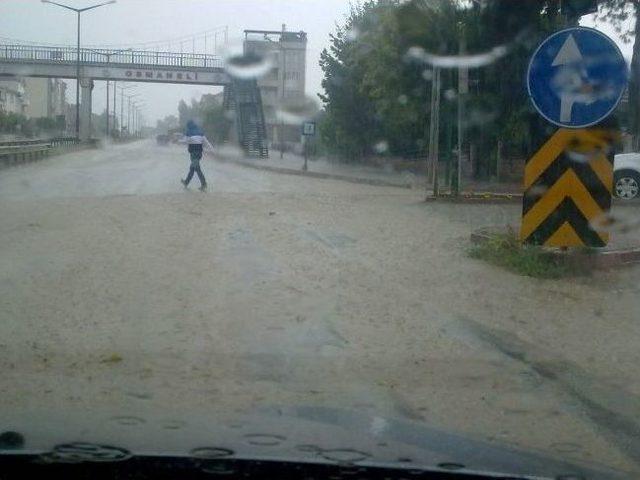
x: 568, y: 185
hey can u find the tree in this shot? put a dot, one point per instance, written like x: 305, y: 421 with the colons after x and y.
x: 617, y: 12
x: 209, y: 113
x: 378, y: 66
x: 350, y: 122
x: 167, y: 123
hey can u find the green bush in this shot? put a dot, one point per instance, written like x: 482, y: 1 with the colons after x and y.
x: 505, y: 250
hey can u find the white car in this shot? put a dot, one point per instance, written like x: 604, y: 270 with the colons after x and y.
x: 626, y: 175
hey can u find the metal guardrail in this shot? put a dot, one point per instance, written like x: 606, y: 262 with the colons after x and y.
x: 14, y: 154
x: 21, y: 151
x: 69, y: 55
x: 54, y: 142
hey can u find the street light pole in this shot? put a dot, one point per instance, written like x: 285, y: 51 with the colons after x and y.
x: 78, y: 80
x: 78, y: 12
x: 129, y: 112
x: 107, y: 111
x: 114, y: 105
x: 136, y: 117
x: 122, y: 95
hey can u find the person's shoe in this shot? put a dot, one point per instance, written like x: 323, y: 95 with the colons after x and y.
x: 184, y: 182
x: 203, y: 187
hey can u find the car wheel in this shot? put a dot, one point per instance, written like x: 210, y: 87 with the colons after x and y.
x: 627, y: 184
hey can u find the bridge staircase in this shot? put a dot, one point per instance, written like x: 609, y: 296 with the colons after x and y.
x: 243, y: 97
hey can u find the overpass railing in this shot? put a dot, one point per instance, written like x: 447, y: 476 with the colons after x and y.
x: 69, y: 55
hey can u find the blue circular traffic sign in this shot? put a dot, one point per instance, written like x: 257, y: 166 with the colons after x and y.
x: 576, y: 77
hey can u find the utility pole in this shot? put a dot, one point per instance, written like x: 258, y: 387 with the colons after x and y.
x: 129, y: 112
x: 284, y: 83
x: 434, y: 129
x: 121, y: 109
x: 122, y: 95
x: 114, y: 105
x: 107, y: 111
x: 463, y: 89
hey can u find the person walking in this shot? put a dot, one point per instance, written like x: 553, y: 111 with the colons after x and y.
x: 195, y: 139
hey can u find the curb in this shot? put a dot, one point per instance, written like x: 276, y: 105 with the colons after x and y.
x: 321, y: 175
x: 484, y: 197
x: 599, y: 259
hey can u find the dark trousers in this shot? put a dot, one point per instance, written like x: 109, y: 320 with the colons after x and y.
x: 195, y: 168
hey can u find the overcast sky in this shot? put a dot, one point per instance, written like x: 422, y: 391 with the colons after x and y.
x: 135, y: 21
x: 130, y: 22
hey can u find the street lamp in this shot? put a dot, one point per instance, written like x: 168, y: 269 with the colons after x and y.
x: 78, y: 12
x: 122, y: 95
x: 129, y: 111
x: 136, y: 115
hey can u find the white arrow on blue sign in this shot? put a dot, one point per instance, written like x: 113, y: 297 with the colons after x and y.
x: 577, y: 77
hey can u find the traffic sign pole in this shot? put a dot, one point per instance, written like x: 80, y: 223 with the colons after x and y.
x: 575, y: 80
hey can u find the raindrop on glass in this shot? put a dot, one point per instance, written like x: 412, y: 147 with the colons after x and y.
x: 173, y: 424
x: 128, y: 421
x: 295, y: 111
x: 381, y: 147
x: 352, y: 34
x: 217, y: 468
x: 538, y: 190
x: 248, y: 66
x: 619, y: 222
x: 344, y: 455
x: 264, y: 439
x: 211, y: 452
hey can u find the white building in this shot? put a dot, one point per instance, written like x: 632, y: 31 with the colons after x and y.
x: 12, y: 96
x: 47, y: 97
x: 285, y: 83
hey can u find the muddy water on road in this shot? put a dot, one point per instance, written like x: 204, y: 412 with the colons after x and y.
x: 315, y: 293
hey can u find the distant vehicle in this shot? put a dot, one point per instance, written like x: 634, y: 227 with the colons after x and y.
x: 162, y: 139
x: 626, y: 175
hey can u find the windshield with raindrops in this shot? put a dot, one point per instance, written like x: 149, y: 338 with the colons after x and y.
x: 400, y: 235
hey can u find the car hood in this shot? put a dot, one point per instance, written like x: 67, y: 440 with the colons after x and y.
x: 300, y: 433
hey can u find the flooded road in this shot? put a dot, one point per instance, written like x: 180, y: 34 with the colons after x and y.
x: 123, y: 292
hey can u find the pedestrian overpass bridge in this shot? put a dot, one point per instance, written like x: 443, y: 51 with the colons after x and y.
x: 130, y: 65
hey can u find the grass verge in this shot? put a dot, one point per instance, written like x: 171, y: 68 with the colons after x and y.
x: 505, y: 250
